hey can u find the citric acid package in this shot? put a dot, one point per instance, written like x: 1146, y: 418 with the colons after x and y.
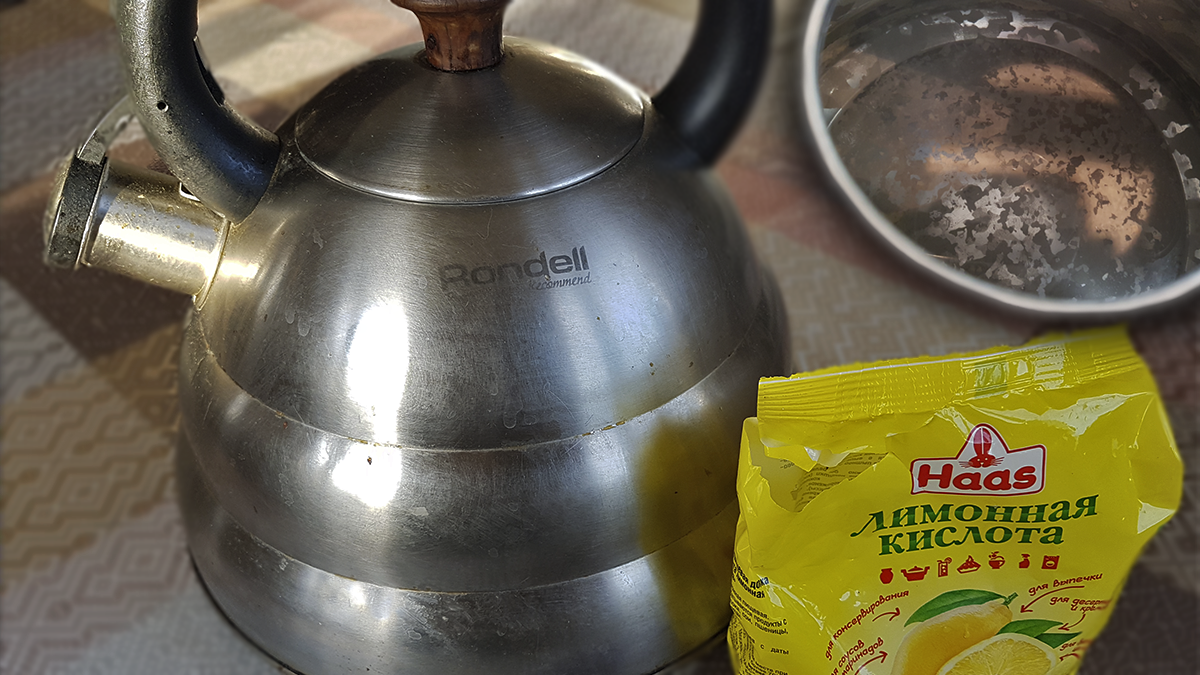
x: 964, y: 515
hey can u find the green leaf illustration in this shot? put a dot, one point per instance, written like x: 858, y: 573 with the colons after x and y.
x: 1056, y: 640
x: 1030, y: 627
x: 951, y: 600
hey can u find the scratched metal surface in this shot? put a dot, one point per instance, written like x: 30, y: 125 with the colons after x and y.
x: 94, y: 571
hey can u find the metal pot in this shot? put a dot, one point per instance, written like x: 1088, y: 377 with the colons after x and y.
x: 474, y: 334
x: 1039, y: 156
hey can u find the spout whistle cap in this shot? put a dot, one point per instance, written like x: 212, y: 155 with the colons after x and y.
x: 460, y: 35
x: 68, y: 220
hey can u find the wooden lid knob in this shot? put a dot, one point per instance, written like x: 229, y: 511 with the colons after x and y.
x: 459, y: 34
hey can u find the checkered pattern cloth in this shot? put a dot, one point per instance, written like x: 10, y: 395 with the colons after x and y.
x: 95, y: 575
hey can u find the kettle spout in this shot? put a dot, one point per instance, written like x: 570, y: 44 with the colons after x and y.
x: 132, y: 221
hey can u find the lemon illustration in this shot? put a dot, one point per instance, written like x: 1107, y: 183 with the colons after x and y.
x: 1006, y: 654
x: 931, y: 643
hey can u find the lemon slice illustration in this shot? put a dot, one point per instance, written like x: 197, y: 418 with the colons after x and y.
x: 935, y: 641
x: 1004, y: 654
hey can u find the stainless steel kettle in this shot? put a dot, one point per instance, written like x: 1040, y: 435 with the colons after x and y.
x: 474, y: 334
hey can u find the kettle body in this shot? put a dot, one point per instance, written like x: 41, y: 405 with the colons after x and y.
x: 465, y: 408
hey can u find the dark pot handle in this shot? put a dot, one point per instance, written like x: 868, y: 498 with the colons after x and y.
x: 707, y: 98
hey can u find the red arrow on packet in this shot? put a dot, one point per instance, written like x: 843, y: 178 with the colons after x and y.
x: 881, y: 658
x: 895, y: 613
x: 1025, y: 607
x: 1066, y: 627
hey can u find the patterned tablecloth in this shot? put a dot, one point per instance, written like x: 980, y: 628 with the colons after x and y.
x: 96, y: 578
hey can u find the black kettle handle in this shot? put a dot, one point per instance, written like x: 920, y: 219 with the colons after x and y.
x: 223, y: 158
x: 707, y: 98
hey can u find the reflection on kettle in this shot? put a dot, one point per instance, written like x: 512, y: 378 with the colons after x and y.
x: 474, y: 334
x: 377, y: 368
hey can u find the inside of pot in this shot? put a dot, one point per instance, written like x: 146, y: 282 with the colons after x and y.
x: 1034, y: 147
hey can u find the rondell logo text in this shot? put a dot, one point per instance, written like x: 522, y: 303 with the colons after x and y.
x: 542, y: 271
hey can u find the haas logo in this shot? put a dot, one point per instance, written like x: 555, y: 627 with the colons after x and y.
x: 984, y: 465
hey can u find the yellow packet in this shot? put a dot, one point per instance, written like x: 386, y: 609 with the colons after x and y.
x: 973, y: 514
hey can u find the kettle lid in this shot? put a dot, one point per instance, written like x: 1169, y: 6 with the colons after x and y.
x: 539, y: 120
